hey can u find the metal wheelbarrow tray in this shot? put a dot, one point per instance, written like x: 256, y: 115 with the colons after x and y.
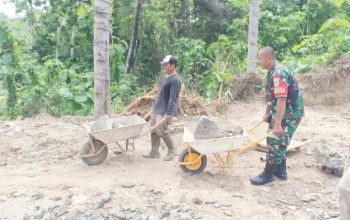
x: 124, y: 128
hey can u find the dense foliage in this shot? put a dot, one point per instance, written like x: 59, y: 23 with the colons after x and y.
x: 46, y: 57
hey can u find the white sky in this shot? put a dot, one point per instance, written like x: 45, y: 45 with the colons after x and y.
x: 8, y: 8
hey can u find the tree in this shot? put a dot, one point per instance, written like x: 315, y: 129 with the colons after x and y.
x: 101, y: 57
x: 131, y: 50
x: 253, y: 36
x: 182, y: 16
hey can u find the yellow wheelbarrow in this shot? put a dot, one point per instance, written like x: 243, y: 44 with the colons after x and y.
x: 193, y: 158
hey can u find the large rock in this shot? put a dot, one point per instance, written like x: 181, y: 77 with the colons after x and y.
x: 3, y: 162
x: 207, y: 129
x: 197, y: 201
x: 99, y: 204
x: 128, y: 184
x: 39, y: 214
x: 331, y: 160
x: 233, y: 131
x: 116, y: 212
x: 37, y: 196
x: 58, y: 212
x: 102, y: 123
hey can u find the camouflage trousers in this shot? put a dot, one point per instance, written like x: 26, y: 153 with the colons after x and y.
x: 344, y: 190
x: 278, y: 145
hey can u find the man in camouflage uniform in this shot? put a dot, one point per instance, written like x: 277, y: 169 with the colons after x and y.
x: 283, y: 113
x: 344, y: 189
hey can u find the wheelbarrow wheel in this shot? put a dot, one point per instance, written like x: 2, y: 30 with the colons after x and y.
x: 87, y: 149
x: 197, y: 165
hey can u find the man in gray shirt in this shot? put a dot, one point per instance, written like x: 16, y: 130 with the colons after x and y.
x: 166, y: 105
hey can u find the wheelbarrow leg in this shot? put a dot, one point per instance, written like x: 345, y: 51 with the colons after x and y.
x: 229, y: 161
x: 120, y: 147
x: 132, y: 144
x: 219, y: 160
x: 128, y: 142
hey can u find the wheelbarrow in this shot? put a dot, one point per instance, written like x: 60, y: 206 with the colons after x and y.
x: 193, y: 159
x: 127, y: 129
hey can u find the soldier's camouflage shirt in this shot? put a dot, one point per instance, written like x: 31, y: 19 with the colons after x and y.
x: 278, y: 82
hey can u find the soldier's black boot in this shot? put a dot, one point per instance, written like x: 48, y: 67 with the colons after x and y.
x: 281, y: 171
x: 266, y: 176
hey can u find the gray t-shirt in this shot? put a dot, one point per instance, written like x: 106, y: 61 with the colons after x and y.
x: 167, y: 100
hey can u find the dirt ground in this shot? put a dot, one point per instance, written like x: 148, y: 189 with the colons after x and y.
x: 41, y: 176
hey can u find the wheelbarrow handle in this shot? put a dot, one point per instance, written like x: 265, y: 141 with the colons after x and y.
x: 148, y: 114
x: 253, y: 142
x: 158, y: 124
x: 254, y: 126
x: 154, y: 126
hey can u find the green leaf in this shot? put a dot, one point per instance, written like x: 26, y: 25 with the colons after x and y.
x: 65, y: 92
x: 342, y: 23
x: 80, y: 99
x: 3, y: 37
x: 113, y: 88
x: 124, y: 87
x: 303, y: 50
x: 295, y: 48
x: 223, y: 39
x: 120, y: 50
x: 345, y: 45
x: 282, y: 39
x: 65, y: 78
x: 227, y: 76
x: 339, y: 3
x: 7, y: 59
x: 74, y: 105
x: 325, y: 26
x: 81, y: 11
x: 90, y: 99
x: 121, y: 67
x: 314, y: 37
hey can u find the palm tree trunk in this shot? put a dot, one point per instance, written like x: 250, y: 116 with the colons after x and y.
x: 101, y: 57
x: 253, y: 36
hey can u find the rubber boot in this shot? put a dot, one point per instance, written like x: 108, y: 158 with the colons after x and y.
x: 171, y: 148
x: 266, y: 176
x: 155, y: 141
x: 281, y: 171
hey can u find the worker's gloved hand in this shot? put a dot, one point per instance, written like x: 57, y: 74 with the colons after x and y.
x: 168, y: 119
